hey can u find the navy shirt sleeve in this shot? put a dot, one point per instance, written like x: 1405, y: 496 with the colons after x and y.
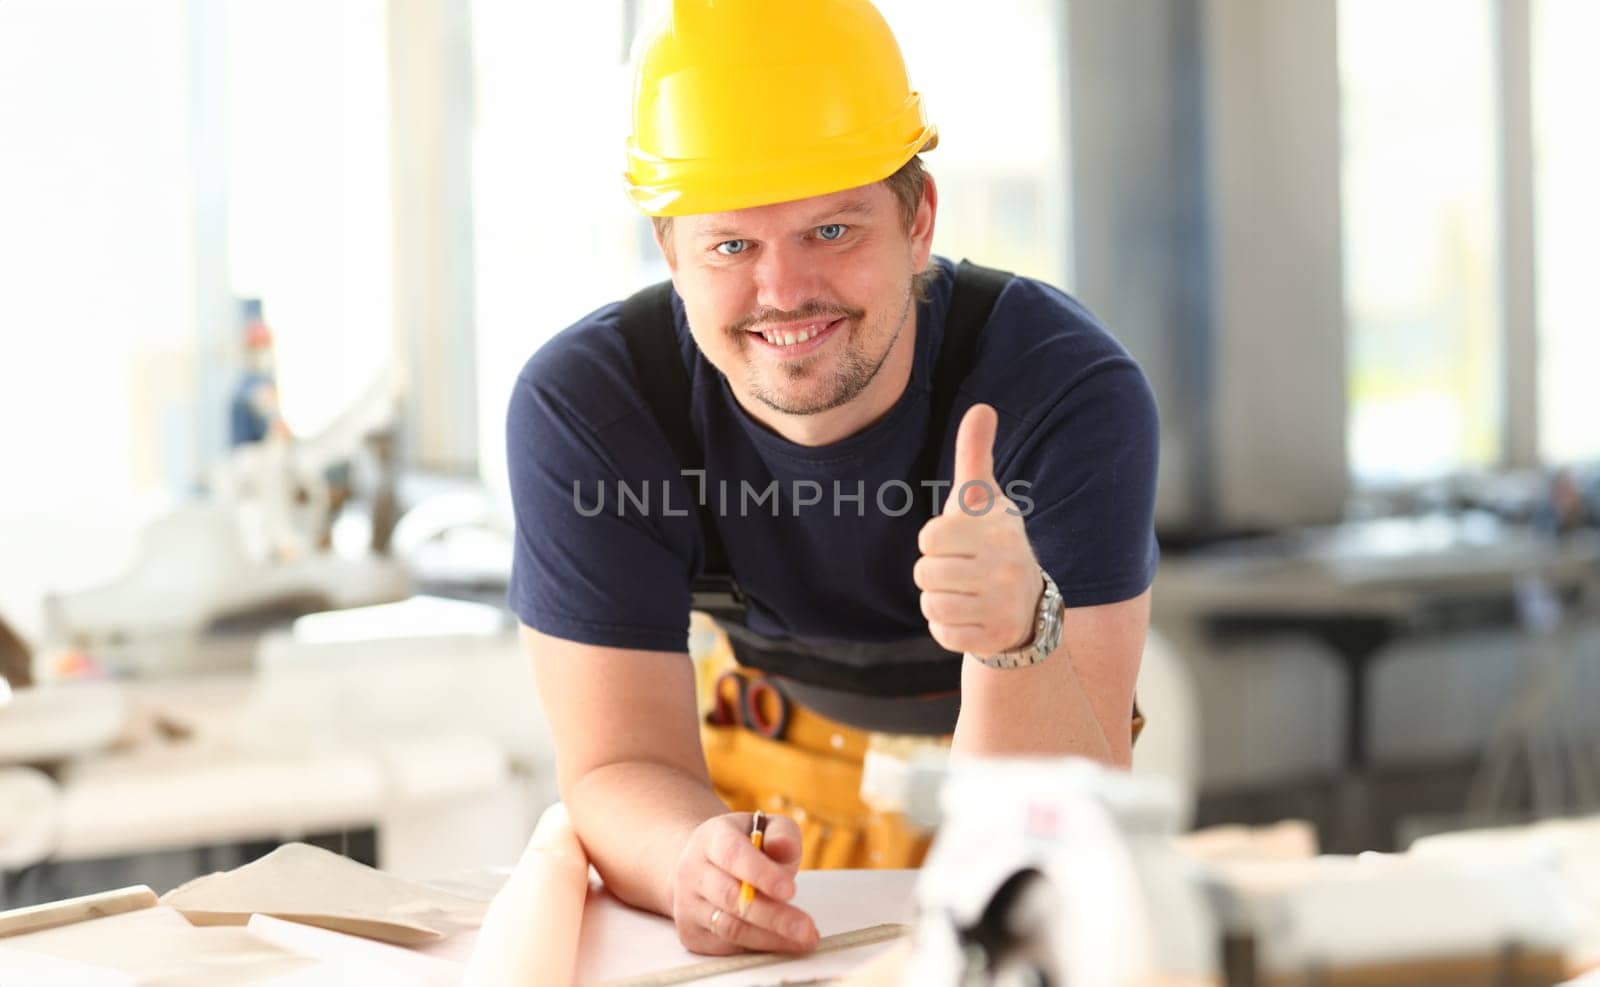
x: 1090, y: 462
x: 1078, y: 425
x: 614, y: 579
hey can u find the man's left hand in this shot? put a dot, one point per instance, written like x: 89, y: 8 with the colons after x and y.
x: 979, y: 579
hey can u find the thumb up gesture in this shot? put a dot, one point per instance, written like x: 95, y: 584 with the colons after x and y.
x: 979, y: 579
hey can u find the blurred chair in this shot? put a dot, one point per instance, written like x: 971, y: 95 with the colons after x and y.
x: 1169, y: 747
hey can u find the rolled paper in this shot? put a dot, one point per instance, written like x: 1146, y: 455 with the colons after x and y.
x: 530, y: 934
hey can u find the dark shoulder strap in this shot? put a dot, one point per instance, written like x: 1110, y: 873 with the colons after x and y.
x: 663, y: 380
x: 972, y: 300
x: 647, y: 326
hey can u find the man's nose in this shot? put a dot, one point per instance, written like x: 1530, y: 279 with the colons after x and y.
x: 785, y: 279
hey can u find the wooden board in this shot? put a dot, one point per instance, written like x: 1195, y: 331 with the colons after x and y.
x: 37, y: 918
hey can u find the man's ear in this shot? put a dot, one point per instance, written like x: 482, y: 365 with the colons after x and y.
x: 664, y: 243
x: 922, y: 223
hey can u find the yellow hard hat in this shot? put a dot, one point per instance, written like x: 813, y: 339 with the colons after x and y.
x: 740, y: 103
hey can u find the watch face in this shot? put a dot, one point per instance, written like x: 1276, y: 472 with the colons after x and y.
x: 1050, y: 633
x: 1051, y: 636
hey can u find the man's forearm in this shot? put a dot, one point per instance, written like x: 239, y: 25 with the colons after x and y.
x: 634, y: 818
x: 1040, y: 709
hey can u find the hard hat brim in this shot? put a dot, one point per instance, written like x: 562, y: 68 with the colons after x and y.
x: 679, y: 187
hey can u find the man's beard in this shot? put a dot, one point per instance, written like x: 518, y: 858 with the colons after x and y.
x: 855, y: 367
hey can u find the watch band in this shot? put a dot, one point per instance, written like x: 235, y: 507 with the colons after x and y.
x: 1046, y: 633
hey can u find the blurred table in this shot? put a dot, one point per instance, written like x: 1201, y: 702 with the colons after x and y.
x: 1358, y: 587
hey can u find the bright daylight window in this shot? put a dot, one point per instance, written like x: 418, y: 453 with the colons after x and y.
x: 309, y: 203
x: 96, y: 294
x: 993, y: 87
x: 1420, y: 237
x: 1566, y: 77
x: 554, y: 236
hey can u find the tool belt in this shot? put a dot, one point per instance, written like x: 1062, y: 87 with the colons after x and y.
x: 767, y: 752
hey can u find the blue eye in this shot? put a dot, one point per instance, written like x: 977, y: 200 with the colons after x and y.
x: 832, y: 231
x: 729, y: 248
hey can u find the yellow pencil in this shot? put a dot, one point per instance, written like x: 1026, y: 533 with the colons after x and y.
x: 758, y: 833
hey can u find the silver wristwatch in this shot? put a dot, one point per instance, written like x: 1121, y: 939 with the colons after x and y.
x: 1046, y: 633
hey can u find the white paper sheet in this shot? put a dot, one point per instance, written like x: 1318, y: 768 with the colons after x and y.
x: 618, y: 941
x: 355, y: 958
x: 158, y: 946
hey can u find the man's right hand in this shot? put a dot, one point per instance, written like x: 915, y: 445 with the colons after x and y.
x: 717, y: 857
x: 627, y: 738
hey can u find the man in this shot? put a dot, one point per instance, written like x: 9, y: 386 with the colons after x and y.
x: 813, y: 371
x: 253, y: 414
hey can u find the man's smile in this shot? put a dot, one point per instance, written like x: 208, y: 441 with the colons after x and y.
x: 790, y: 340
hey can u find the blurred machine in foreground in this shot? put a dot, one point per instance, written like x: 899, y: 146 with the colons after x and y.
x: 1061, y: 872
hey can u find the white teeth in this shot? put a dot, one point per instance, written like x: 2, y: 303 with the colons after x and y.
x: 790, y: 338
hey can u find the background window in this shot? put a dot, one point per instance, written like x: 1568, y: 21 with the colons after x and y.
x: 1567, y: 196
x: 96, y: 303
x: 1421, y: 263
x: 554, y: 236
x: 309, y: 202
x: 992, y: 86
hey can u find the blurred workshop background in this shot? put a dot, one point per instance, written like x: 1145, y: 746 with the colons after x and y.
x: 268, y: 269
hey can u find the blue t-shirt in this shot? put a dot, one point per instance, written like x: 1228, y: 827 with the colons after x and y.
x: 608, y: 541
